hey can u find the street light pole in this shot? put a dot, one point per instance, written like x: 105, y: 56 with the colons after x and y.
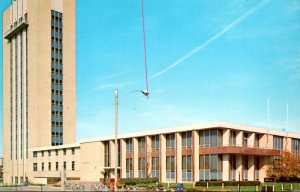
x: 116, y: 138
x: 239, y: 181
x: 145, y: 93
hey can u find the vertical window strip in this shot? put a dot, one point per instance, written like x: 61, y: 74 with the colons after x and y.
x: 26, y: 93
x: 16, y: 96
x: 11, y: 104
x: 56, y: 78
x: 21, y: 93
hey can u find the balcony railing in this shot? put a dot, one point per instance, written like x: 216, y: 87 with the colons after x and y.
x: 16, y: 27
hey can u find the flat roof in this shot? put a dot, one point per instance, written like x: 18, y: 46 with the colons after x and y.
x: 225, y: 125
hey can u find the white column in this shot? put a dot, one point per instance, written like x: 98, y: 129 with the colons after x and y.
x: 196, y: 155
x: 162, y: 158
x: 178, y: 157
x: 135, y: 157
x: 112, y: 157
x: 226, y: 137
x: 123, y: 158
x: 251, y: 139
x: 148, y: 155
x: 239, y: 167
x: 239, y: 138
x: 251, y: 168
x: 226, y: 167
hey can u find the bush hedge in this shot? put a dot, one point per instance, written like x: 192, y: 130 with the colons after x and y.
x: 206, y: 190
x: 135, y: 181
x: 227, y: 183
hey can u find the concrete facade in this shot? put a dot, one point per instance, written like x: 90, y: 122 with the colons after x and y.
x: 38, y: 80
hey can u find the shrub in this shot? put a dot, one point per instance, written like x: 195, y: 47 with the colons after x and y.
x: 227, y: 183
x: 135, y: 181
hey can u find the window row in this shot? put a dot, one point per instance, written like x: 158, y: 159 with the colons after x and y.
x: 56, y: 92
x: 56, y: 151
x: 56, y: 39
x: 56, y: 123
x: 55, y: 60
x: 56, y: 50
x: 55, y: 102
x: 57, y: 29
x: 59, y: 71
x: 35, y: 166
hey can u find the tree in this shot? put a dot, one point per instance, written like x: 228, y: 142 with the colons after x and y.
x: 286, y: 166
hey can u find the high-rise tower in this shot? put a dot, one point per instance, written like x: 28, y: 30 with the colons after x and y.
x: 38, y: 80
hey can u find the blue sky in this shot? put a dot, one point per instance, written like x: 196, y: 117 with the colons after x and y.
x: 207, y: 61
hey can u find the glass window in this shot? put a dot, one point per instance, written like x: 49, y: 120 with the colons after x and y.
x: 42, y: 166
x: 232, y: 140
x: 210, y: 167
x: 49, y: 166
x: 56, y: 166
x: 129, y: 168
x: 142, y: 144
x: 35, y: 166
x: 211, y: 138
x: 155, y: 142
x: 129, y: 145
x: 187, y: 139
x: 73, y: 165
x: 295, y: 148
x: 187, y: 168
x: 170, y: 169
x: 34, y: 154
x: 277, y: 142
x: 170, y: 139
x: 142, y: 167
x: 106, y: 154
x: 155, y: 167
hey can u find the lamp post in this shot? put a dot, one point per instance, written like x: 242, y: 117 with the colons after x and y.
x: 145, y: 93
x: 239, y: 181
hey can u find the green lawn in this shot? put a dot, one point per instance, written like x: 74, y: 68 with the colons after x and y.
x: 278, y: 186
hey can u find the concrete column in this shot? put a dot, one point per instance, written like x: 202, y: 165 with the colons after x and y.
x: 162, y: 158
x: 135, y: 157
x: 239, y: 167
x: 226, y: 137
x: 288, y: 144
x: 195, y: 167
x: 148, y: 155
x: 123, y: 158
x: 251, y: 139
x: 226, y: 167
x: 264, y: 162
x: 251, y: 168
x: 112, y: 157
x: 239, y: 138
x: 178, y: 157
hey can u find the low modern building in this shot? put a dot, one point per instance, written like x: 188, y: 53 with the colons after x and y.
x: 216, y: 151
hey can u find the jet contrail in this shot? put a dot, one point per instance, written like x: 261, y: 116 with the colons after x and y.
x: 210, y: 40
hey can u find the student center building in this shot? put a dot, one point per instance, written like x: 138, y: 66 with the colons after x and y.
x: 39, y: 118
